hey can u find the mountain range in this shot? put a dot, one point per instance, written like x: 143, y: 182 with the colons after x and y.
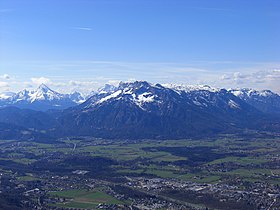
x: 137, y: 110
x: 41, y: 99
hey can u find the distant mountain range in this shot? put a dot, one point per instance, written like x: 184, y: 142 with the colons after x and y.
x: 42, y: 99
x: 138, y: 110
x: 265, y: 100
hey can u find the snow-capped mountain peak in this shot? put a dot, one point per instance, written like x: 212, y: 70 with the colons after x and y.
x: 77, y: 97
x: 43, y: 92
x: 42, y: 98
x: 138, y: 93
x: 248, y: 92
x: 106, y: 89
x: 44, y: 88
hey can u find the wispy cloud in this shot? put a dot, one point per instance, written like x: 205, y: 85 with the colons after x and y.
x: 82, y: 28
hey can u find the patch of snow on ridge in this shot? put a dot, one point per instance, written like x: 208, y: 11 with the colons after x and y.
x: 197, y: 103
x: 113, y: 95
x: 146, y: 97
x: 127, y: 91
x: 34, y: 96
x: 233, y: 104
x: 142, y: 99
x: 237, y: 93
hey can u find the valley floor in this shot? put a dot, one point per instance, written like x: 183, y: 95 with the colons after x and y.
x: 226, y: 172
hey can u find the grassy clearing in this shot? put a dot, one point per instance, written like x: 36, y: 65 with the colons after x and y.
x: 130, y: 152
x: 240, y: 160
x: 200, y: 178
x: 84, y: 198
x: 250, y: 173
x: 25, y: 161
x: 27, y: 178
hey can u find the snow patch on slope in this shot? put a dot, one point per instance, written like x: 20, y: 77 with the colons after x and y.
x: 113, y: 95
x: 232, y: 104
x: 146, y: 98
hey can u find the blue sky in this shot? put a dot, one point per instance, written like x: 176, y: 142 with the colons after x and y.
x: 82, y: 44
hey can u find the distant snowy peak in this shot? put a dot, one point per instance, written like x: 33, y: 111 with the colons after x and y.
x: 264, y: 100
x: 190, y: 88
x: 44, y: 93
x: 44, y: 88
x: 247, y: 92
x: 107, y: 89
x: 76, y: 97
x: 7, y: 96
x: 42, y: 98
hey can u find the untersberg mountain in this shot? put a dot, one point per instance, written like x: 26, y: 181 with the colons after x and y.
x: 137, y: 110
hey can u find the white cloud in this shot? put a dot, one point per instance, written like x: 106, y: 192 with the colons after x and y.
x: 41, y: 80
x: 27, y: 85
x: 263, y: 79
x: 4, y: 85
x: 74, y: 83
x: 115, y: 82
x: 225, y: 77
x: 5, y: 76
